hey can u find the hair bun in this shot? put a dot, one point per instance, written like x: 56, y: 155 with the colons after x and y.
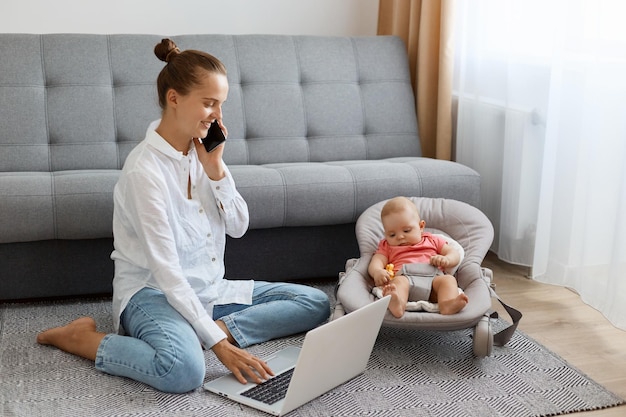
x: 166, y: 50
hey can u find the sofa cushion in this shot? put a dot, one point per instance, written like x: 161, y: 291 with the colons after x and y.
x: 59, y: 205
x: 315, y: 194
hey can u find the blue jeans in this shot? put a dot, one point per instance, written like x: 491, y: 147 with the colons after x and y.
x: 163, y: 351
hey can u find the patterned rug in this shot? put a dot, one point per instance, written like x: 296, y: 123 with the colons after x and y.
x: 410, y: 373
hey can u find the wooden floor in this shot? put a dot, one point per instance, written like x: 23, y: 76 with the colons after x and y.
x: 557, y: 318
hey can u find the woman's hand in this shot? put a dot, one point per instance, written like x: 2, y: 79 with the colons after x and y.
x: 241, y: 363
x: 212, y: 161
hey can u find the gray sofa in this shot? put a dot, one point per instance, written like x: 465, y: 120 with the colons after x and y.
x: 320, y: 129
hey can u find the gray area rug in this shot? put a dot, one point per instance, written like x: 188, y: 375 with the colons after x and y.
x: 410, y: 373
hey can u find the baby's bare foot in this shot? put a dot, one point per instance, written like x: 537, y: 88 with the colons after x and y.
x: 389, y: 289
x: 396, y: 305
x: 454, y: 305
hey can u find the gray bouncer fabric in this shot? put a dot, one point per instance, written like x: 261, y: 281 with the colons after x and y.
x: 465, y: 224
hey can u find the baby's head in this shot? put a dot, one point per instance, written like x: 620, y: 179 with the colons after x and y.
x: 401, y: 222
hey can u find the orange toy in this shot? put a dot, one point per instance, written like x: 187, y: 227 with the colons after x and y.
x: 389, y: 269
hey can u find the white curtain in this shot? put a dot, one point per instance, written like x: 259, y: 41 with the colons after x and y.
x: 541, y: 90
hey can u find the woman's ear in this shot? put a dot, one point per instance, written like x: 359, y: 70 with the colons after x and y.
x: 171, y: 98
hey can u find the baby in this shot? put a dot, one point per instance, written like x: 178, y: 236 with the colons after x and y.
x: 418, y: 259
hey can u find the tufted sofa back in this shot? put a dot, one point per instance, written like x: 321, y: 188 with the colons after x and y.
x: 82, y: 102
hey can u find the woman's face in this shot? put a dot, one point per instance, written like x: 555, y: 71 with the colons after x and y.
x: 197, y: 110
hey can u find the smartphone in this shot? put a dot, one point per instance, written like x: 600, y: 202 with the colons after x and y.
x: 214, y: 137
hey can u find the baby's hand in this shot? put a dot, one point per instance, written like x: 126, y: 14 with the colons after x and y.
x: 440, y: 261
x: 381, y: 277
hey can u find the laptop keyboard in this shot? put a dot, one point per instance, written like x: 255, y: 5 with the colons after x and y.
x: 272, y: 390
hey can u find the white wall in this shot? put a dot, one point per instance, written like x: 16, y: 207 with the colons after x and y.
x: 175, y: 17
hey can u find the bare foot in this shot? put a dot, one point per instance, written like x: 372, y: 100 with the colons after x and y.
x: 79, y: 337
x: 396, y: 305
x: 454, y: 305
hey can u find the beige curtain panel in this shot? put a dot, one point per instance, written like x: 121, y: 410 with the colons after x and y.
x: 426, y: 26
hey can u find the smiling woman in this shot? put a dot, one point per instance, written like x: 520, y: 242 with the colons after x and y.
x: 174, y: 204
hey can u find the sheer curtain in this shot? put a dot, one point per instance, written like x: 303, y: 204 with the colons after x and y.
x: 541, y: 92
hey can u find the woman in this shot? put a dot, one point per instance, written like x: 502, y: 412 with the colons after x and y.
x: 173, y: 206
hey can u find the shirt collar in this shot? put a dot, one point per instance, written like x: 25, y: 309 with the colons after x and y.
x: 159, y: 143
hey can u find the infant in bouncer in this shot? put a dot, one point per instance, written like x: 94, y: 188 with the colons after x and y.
x: 409, y: 264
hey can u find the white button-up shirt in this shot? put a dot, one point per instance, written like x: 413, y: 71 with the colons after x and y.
x: 167, y: 241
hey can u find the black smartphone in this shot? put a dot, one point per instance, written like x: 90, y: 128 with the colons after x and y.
x: 214, y: 137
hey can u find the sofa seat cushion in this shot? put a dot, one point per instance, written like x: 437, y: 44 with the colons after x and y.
x: 79, y: 204
x: 56, y: 205
x: 316, y: 194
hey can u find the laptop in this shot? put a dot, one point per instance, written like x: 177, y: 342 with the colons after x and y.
x: 330, y: 355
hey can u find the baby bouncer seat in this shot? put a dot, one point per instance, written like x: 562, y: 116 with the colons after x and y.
x: 471, y: 233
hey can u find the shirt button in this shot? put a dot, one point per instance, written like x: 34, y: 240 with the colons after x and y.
x: 201, y: 210
x: 213, y: 259
x: 217, y: 188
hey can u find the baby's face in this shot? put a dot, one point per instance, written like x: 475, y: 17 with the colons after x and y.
x: 403, y: 228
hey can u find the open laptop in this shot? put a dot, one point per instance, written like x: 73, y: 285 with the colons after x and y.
x: 330, y: 355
